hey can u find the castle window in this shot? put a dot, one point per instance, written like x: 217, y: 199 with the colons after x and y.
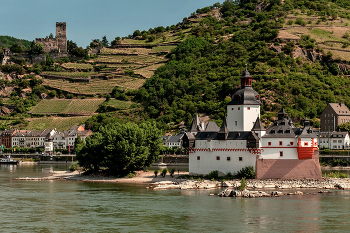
x: 239, y: 108
x: 228, y: 158
x: 291, y: 143
x: 198, y: 158
x: 280, y: 143
x: 305, y: 143
x: 257, y: 97
x: 235, y: 123
x: 240, y: 158
x: 217, y: 157
x: 248, y: 108
x: 281, y: 153
x: 233, y: 109
x: 269, y: 143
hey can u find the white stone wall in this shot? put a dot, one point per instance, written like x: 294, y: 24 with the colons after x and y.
x: 211, y: 160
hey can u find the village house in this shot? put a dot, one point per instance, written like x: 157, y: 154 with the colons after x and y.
x: 281, y: 151
x: 49, y: 138
x: 335, y: 140
x: 333, y: 115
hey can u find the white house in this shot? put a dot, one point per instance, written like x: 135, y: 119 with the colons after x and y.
x: 335, y: 140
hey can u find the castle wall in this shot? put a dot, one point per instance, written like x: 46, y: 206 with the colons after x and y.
x: 288, y: 168
x: 50, y: 44
x: 206, y: 159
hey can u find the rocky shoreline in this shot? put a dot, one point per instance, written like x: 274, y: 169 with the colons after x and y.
x: 324, y: 183
x: 252, y: 194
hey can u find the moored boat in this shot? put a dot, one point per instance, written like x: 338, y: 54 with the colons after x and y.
x: 9, y: 161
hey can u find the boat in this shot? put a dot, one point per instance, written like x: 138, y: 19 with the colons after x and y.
x: 9, y: 161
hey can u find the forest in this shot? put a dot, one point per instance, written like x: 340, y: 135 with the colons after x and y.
x: 204, y: 70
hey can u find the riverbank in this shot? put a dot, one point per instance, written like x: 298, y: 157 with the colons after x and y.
x: 168, y: 182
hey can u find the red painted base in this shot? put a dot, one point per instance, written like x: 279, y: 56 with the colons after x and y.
x: 289, y: 168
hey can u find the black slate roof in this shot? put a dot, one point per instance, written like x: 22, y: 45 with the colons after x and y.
x: 258, y: 126
x: 241, y: 135
x: 245, y: 95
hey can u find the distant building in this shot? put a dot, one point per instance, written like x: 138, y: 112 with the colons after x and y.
x: 335, y: 140
x: 333, y: 115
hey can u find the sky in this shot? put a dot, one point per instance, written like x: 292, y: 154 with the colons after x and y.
x: 91, y: 19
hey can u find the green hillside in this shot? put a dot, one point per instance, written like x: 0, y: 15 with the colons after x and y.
x: 297, y: 52
x: 8, y: 41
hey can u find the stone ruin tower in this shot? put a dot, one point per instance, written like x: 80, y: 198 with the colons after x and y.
x: 61, y: 36
x: 59, y: 43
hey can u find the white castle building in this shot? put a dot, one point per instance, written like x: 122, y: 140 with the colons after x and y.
x: 281, y: 151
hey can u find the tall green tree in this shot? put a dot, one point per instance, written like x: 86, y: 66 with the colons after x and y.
x: 121, y: 148
x: 104, y: 41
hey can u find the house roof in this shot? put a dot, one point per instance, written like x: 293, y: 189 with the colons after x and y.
x: 337, y: 134
x: 195, y: 125
x: 340, y: 109
x: 212, y: 126
x: 237, y: 135
x: 176, y: 138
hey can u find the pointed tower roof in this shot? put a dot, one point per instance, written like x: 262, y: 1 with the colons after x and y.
x: 196, y: 124
x: 258, y: 126
x: 282, y: 114
x: 223, y: 128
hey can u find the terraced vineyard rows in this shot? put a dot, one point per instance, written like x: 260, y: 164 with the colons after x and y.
x: 50, y: 106
x: 119, y: 104
x: 73, y: 106
x: 71, y: 74
x: 83, y: 106
x: 96, y: 86
x: 60, y: 123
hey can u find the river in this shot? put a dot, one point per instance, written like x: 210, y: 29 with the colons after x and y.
x: 71, y: 206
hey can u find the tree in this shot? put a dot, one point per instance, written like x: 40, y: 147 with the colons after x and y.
x: 104, y: 41
x: 78, y: 52
x: 136, y: 33
x: 51, y: 36
x: 37, y: 48
x: 16, y: 48
x: 71, y: 45
x: 121, y: 148
x: 344, y: 127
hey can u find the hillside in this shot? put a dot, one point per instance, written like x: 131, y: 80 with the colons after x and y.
x: 298, y: 53
x: 8, y: 41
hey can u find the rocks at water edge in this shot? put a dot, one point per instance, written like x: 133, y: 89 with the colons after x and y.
x: 324, y: 183
x: 252, y: 194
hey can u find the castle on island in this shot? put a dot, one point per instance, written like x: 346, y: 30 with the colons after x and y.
x: 281, y: 151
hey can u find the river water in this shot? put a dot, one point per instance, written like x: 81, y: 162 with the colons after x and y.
x: 71, y: 206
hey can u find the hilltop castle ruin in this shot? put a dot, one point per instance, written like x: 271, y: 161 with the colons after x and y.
x: 59, y: 43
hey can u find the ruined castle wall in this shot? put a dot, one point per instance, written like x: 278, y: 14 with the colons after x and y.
x: 49, y: 44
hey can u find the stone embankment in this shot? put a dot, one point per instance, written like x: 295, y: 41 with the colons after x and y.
x: 324, y: 183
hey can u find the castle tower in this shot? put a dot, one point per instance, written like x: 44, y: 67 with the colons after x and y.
x: 61, y: 36
x: 244, y: 108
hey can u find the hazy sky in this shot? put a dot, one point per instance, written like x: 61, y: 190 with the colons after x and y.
x: 88, y: 19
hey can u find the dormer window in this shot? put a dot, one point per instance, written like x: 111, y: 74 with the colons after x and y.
x: 272, y: 131
x: 238, y: 98
x: 280, y: 131
x: 257, y: 97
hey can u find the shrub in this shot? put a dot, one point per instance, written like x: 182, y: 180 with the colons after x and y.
x: 290, y: 22
x: 243, y: 184
x: 246, y: 172
x: 156, y: 173
x: 213, y: 174
x: 74, y: 166
x: 172, y: 172
x: 335, y: 174
x: 164, y: 172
